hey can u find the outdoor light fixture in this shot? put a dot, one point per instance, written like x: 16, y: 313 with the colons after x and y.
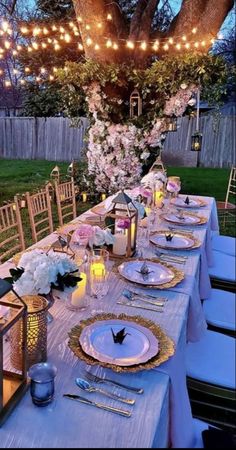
x: 172, y: 123
x: 13, y: 311
x: 196, y: 138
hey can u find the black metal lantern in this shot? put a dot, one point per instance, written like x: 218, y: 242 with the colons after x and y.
x: 196, y: 142
x: 13, y: 385
x: 135, y: 104
x: 172, y: 124
x: 124, y: 216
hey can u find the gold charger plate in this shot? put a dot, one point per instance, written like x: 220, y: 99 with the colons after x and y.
x: 200, y: 202
x: 166, y: 344
x: 178, y: 274
x: 201, y: 221
x: 197, y: 242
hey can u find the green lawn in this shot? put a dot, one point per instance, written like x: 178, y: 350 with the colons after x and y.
x: 21, y: 176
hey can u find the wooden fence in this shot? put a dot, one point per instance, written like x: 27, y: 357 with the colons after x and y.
x: 51, y: 139
x: 218, y: 142
x: 54, y: 139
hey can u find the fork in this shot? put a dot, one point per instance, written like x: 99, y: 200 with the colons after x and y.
x: 97, y: 379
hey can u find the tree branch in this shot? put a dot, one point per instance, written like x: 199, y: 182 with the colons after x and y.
x: 147, y: 18
x: 12, y: 9
x: 188, y: 17
x: 135, y: 21
x: 117, y: 18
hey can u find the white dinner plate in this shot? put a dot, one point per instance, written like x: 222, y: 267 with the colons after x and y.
x: 178, y: 241
x: 139, y: 345
x: 193, y: 203
x: 158, y: 273
x: 185, y: 220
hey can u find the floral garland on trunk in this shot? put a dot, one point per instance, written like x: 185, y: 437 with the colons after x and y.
x: 117, y: 152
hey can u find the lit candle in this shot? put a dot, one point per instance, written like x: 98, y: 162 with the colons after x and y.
x: 62, y: 197
x: 98, y: 270
x: 103, y: 197
x: 120, y: 244
x: 79, y: 293
x: 84, y: 197
x: 14, y: 207
x: 132, y: 234
x: 147, y: 210
x: 158, y: 197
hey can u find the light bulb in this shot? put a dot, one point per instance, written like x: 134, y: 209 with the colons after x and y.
x: 35, y: 45
x: 42, y: 70
x: 178, y: 46
x: 24, y: 30
x: 171, y: 40
x: 109, y: 43
x: 15, y: 71
x: 99, y: 25
x: 51, y: 77
x: 196, y: 44
x: 4, y: 25
x: 44, y: 45
x: 80, y: 47
x: 166, y: 47
x: 57, y: 47
x: 54, y: 28
x: 45, y: 30
x: 130, y: 44
x: 62, y: 29
x: 67, y: 37
x: 184, y: 38
x: 87, y: 27
x: 143, y: 45
x: 89, y: 41
x: 96, y: 47
x: 19, y: 47
x: 115, y: 46
x: 187, y: 45
x: 203, y: 43
x: 109, y: 16
x: 194, y: 30
x: 22, y: 82
x: 7, y: 44
x: 7, y: 83
x: 27, y: 69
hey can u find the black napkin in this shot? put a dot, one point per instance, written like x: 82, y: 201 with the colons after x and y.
x: 214, y: 438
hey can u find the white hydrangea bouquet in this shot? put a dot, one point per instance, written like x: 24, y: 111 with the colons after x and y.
x: 155, y: 180
x: 39, y: 272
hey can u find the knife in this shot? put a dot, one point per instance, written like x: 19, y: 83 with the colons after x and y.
x: 78, y: 398
x: 149, y: 308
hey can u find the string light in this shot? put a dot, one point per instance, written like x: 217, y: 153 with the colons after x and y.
x: 57, y: 47
x: 22, y: 82
x: 24, y: 30
x: 51, y: 77
x: 99, y: 25
x: 115, y: 46
x: 87, y: 27
x: 130, y: 44
x: 203, y: 43
x: 80, y: 47
x: 171, y: 40
x: 7, y: 83
x: 7, y: 44
x: 187, y: 45
x: 196, y: 44
x: 89, y: 41
x: 178, y: 46
x: 156, y: 46
x: 109, y: 16
x: 184, y: 38
x: 27, y: 69
x: 166, y: 47
x: 143, y: 46
x: 194, y: 30
x: 97, y: 47
x: 109, y: 43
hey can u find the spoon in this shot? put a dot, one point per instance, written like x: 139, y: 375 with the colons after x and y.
x: 132, y: 295
x: 86, y: 386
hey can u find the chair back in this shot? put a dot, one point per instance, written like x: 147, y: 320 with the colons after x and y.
x: 231, y: 190
x: 11, y: 230
x: 66, y: 201
x: 40, y: 213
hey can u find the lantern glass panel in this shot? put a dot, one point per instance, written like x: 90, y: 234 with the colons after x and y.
x: 13, y: 383
x: 196, y: 142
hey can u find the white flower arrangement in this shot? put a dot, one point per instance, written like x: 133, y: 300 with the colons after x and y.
x: 101, y: 237
x: 154, y: 180
x: 38, y: 272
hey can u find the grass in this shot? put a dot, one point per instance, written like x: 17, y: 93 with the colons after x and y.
x: 19, y: 176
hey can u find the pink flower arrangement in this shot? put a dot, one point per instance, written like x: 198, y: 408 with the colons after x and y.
x: 83, y: 233
x: 124, y: 224
x: 177, y: 104
x: 173, y: 187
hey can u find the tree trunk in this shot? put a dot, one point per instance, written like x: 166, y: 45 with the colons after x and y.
x: 206, y: 15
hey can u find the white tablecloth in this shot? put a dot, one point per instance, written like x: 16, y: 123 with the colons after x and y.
x: 70, y: 424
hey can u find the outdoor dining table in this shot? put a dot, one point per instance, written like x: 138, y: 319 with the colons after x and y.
x: 161, y: 416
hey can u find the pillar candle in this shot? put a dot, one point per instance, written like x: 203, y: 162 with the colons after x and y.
x: 79, y: 293
x: 147, y: 210
x: 120, y: 244
x: 158, y: 197
x: 84, y: 197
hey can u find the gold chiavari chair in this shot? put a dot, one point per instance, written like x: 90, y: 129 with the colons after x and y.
x: 40, y: 213
x: 66, y: 201
x: 11, y: 230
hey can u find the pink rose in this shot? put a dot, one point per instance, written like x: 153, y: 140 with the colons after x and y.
x: 124, y: 224
x: 83, y: 233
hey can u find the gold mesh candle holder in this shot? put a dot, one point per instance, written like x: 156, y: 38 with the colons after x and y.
x: 36, y: 333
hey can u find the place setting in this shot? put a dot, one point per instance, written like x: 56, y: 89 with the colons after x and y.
x: 188, y: 202
x: 180, y: 217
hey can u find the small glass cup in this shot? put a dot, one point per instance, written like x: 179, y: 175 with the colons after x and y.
x: 42, y: 383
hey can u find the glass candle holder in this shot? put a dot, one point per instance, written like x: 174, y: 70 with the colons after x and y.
x: 42, y: 383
